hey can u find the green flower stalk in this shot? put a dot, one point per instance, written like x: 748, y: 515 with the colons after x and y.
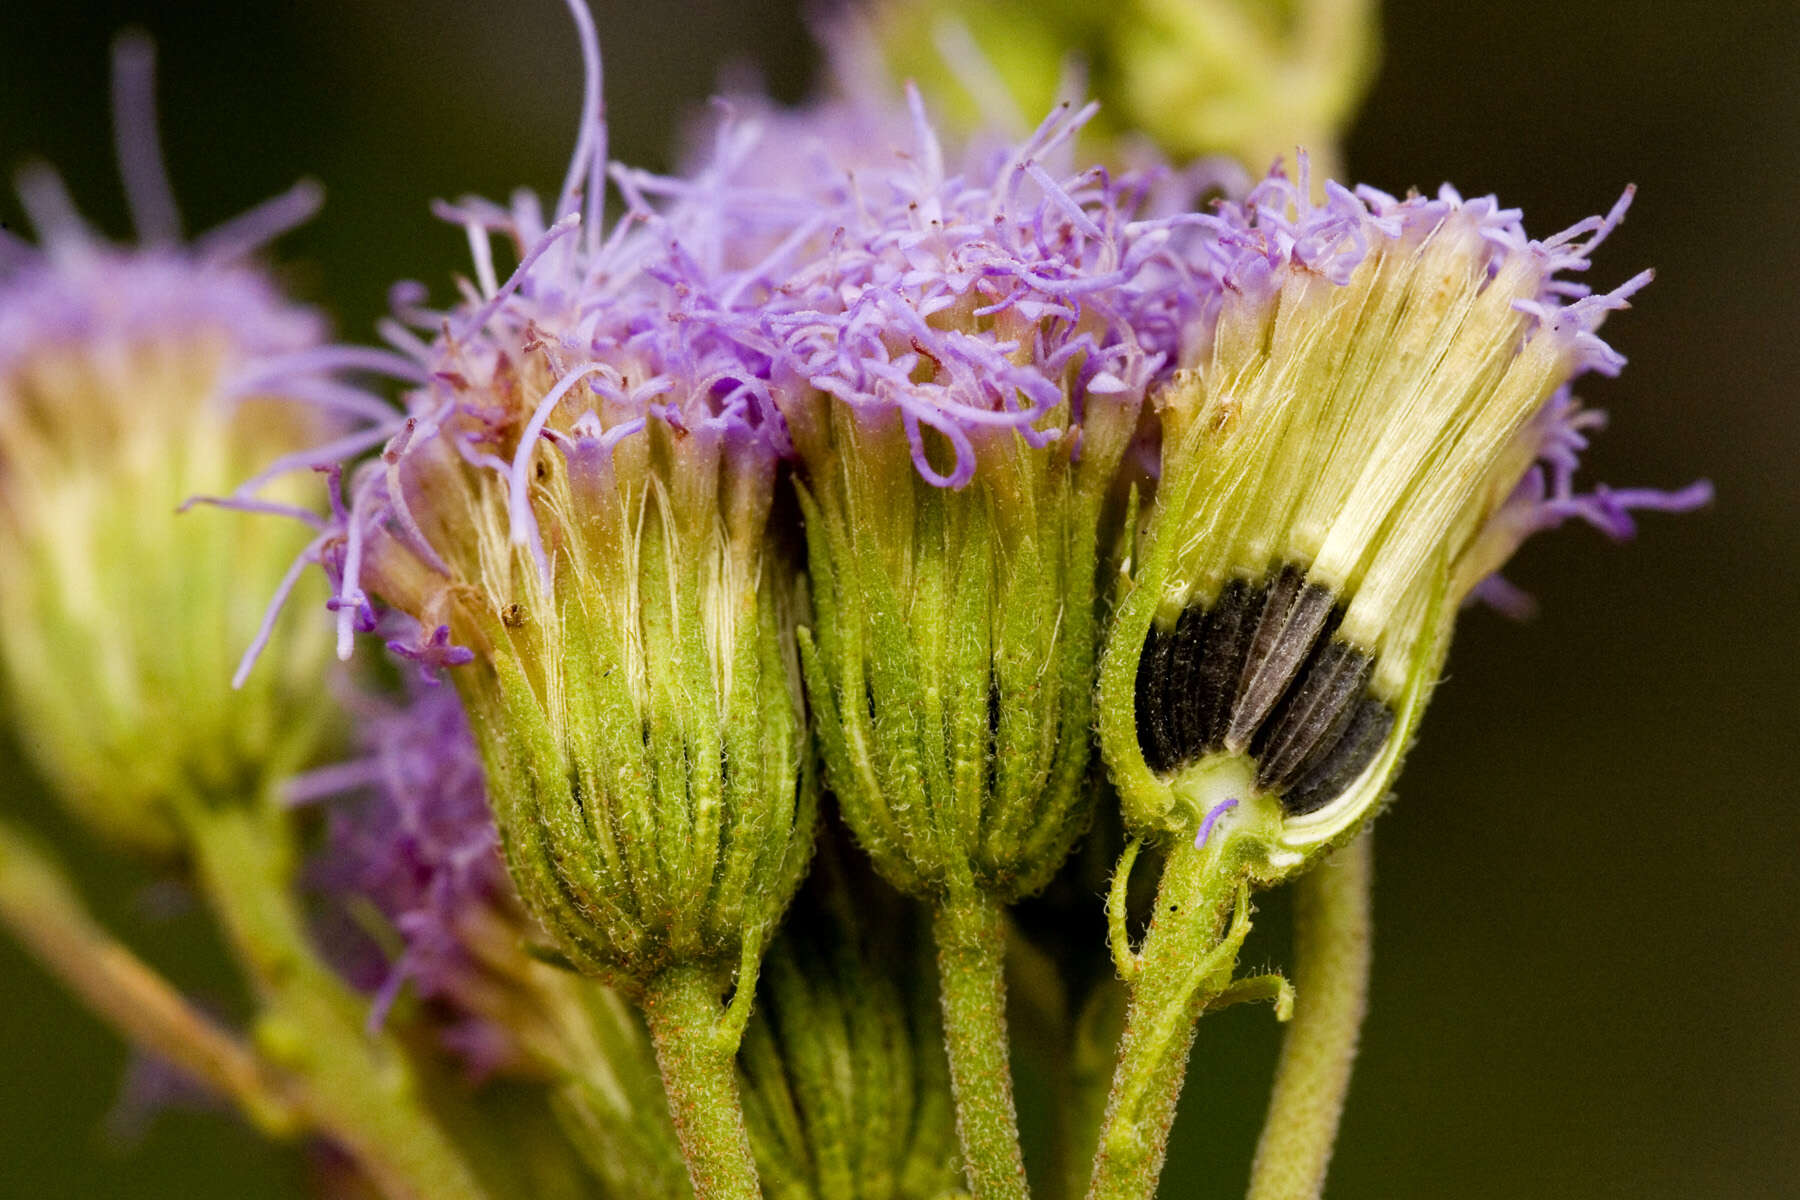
x: 132, y: 379
x: 1379, y: 417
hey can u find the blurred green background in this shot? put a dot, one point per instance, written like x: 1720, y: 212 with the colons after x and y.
x: 1588, y: 976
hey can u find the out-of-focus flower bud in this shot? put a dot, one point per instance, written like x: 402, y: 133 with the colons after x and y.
x: 1235, y: 77
x: 845, y: 1087
x: 133, y: 378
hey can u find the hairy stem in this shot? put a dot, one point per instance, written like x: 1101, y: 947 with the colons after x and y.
x: 1186, y: 960
x: 697, y: 1058
x: 41, y: 908
x: 359, y: 1086
x: 970, y: 930
x: 1331, y: 951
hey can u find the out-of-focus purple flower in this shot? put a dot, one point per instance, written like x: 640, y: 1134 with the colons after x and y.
x: 77, y: 292
x: 410, y: 833
x: 149, y: 1087
x: 133, y: 378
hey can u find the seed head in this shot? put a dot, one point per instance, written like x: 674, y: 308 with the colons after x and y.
x: 1363, y: 437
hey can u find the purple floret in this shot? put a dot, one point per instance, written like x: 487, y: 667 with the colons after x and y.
x: 981, y: 295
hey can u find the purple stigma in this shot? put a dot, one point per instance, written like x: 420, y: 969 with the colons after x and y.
x: 1212, y: 818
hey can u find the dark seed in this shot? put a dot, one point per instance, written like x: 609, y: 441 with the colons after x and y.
x: 1260, y: 670
x: 1186, y: 660
x: 1228, y: 637
x: 1323, y: 783
x: 1152, y: 720
x: 1291, y: 622
x: 1308, y: 723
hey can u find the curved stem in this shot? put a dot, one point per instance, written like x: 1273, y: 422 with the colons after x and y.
x: 40, y: 906
x: 358, y: 1085
x: 970, y: 930
x: 1331, y: 951
x: 698, y: 1064
x: 1189, y: 951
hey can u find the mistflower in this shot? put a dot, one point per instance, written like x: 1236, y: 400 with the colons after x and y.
x: 1377, y: 416
x: 131, y: 379
x: 1381, y: 417
x: 961, y: 367
x: 574, y: 510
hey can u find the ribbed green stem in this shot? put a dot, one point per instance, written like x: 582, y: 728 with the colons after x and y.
x: 1186, y: 960
x: 697, y: 1058
x: 970, y: 930
x: 1331, y: 976
x: 359, y: 1087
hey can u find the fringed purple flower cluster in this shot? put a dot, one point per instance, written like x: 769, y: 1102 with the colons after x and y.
x: 1024, y: 286
x: 410, y: 833
x: 845, y: 251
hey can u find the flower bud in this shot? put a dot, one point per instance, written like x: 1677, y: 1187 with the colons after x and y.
x: 132, y: 379
x: 1199, y: 77
x: 968, y: 367
x: 573, y: 515
x: 627, y: 630
x: 1349, y: 457
x: 842, y: 1069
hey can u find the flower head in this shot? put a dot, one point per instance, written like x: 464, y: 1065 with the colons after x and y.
x: 133, y: 378
x: 961, y: 358
x: 1379, y: 416
x: 573, y: 511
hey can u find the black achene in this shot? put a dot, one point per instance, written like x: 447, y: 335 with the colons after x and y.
x: 1260, y: 671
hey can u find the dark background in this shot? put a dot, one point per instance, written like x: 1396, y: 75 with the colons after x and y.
x: 1586, y: 958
